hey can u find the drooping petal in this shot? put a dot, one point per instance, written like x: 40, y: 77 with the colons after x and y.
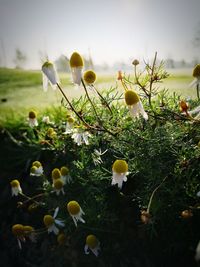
x: 138, y: 109
x: 118, y: 178
x: 50, y: 72
x: 19, y: 243
x: 53, y: 229
x: 77, y: 75
x: 74, y: 219
x: 60, y: 223
x: 45, y: 82
x: 95, y: 250
x: 197, y: 255
x: 85, y: 138
x: 86, y: 249
x: 195, y: 82
x: 77, y: 138
x: 142, y: 111
x: 56, y: 212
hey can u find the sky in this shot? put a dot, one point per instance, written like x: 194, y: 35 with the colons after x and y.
x: 112, y: 30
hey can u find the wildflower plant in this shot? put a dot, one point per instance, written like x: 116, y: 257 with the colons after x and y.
x: 123, y: 167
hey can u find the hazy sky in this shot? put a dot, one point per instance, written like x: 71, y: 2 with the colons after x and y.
x: 114, y: 30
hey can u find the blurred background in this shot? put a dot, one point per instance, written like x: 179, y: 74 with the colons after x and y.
x: 108, y: 34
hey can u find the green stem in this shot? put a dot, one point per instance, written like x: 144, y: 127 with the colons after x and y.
x: 103, y: 99
x: 72, y: 108
x: 29, y: 198
x: 80, y: 117
x: 90, y: 100
x: 153, y: 193
x: 152, y: 79
x: 198, y: 91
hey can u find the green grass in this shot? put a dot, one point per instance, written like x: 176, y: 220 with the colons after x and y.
x: 22, y: 90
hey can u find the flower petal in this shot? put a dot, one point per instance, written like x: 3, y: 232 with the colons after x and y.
x: 45, y: 82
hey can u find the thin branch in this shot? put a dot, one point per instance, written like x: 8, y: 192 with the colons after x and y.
x: 90, y: 100
x: 153, y: 193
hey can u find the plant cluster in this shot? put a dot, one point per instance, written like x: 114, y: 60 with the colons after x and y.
x: 110, y: 179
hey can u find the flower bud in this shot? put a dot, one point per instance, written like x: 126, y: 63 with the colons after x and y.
x: 89, y: 76
x: 135, y: 62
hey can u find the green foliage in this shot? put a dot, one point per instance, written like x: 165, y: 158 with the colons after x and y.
x: 163, y: 163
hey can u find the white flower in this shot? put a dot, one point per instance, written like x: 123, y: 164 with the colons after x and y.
x: 15, y: 188
x: 120, y: 171
x: 49, y: 75
x: 46, y: 120
x: 69, y: 126
x: 197, y: 255
x: 65, y: 177
x: 18, y: 231
x: 29, y: 232
x: 76, y: 64
x: 134, y: 104
x: 93, y: 244
x: 36, y: 169
x: 75, y: 211
x: 51, y: 222
x: 58, y: 186
x: 80, y: 137
x: 76, y: 75
x: 32, y: 119
x: 119, y: 178
x: 138, y: 109
x: 96, y: 156
x: 198, y: 194
x: 33, y: 122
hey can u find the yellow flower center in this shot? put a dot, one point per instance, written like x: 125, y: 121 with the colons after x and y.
x: 18, y: 230
x: 73, y: 207
x: 32, y: 114
x: 76, y: 60
x: 36, y: 164
x: 196, y: 71
x: 70, y: 120
x: 58, y: 184
x: 64, y: 171
x: 91, y: 241
x: 61, y: 238
x: 48, y: 220
x: 33, y: 169
x: 56, y: 174
x: 28, y: 229
x: 14, y: 183
x: 120, y: 166
x: 131, y: 98
x: 89, y: 76
x: 47, y: 64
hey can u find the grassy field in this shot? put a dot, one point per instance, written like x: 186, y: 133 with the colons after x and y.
x: 21, y: 90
